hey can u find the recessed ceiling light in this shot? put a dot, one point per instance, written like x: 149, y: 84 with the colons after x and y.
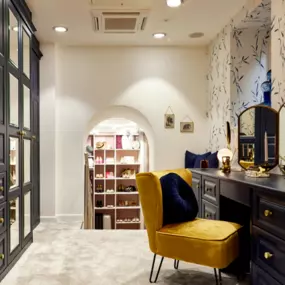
x: 60, y: 29
x: 173, y: 3
x: 159, y: 35
x: 15, y: 28
x: 196, y: 35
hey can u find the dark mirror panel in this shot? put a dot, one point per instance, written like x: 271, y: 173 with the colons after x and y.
x: 27, y: 213
x: 2, y: 104
x: 282, y: 139
x: 2, y: 137
x: 258, y: 137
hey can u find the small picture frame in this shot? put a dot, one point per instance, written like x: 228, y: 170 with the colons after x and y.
x: 187, y: 127
x: 169, y: 121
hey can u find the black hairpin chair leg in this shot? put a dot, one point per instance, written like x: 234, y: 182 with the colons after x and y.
x: 218, y: 276
x: 176, y: 264
x: 151, y: 273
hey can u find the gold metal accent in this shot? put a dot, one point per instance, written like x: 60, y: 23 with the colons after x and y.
x: 1, y: 188
x: 268, y: 255
x: 34, y: 137
x: 1, y: 220
x: 2, y: 256
x: 267, y: 213
x: 22, y: 133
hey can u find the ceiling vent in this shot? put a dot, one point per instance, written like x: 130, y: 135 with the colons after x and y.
x: 122, y: 21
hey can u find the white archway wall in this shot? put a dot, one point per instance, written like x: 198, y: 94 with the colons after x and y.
x: 139, y: 84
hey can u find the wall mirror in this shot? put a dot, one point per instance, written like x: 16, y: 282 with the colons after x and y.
x: 282, y: 139
x: 258, y: 139
x: 14, y: 223
x: 13, y: 38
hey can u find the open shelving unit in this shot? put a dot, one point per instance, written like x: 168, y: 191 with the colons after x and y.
x: 113, y: 167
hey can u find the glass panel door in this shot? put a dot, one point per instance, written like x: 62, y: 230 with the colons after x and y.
x: 27, y: 214
x: 13, y: 39
x: 26, y: 53
x: 27, y: 161
x: 14, y: 163
x: 27, y: 108
x: 14, y: 100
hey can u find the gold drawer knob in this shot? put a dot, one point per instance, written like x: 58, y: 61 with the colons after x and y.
x: 267, y: 213
x: 2, y: 220
x: 268, y: 255
x: 2, y: 256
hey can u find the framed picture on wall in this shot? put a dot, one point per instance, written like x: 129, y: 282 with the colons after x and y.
x: 169, y: 121
x: 187, y: 127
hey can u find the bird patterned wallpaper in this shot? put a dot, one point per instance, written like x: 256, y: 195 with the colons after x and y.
x: 239, y: 59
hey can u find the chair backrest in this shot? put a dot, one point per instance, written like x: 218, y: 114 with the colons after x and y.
x: 150, y: 194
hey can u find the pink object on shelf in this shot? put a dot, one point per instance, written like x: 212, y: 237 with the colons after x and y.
x: 119, y: 142
x: 110, y: 174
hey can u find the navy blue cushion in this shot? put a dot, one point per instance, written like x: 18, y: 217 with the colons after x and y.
x: 213, y: 160
x: 190, y: 158
x: 199, y: 158
x: 179, y: 201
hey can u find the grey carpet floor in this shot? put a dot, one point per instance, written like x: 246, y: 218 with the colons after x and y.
x: 62, y: 254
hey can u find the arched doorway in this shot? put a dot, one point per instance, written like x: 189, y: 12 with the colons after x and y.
x: 117, y: 150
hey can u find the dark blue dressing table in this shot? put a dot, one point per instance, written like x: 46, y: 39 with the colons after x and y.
x: 256, y: 203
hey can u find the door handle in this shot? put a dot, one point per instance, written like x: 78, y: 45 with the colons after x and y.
x: 268, y: 255
x: 267, y: 213
x: 34, y: 137
x: 1, y: 188
x: 22, y: 133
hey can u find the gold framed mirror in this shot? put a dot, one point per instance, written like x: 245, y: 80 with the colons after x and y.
x: 258, y: 137
x: 282, y: 138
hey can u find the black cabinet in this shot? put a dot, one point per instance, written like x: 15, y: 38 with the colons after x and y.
x: 19, y: 131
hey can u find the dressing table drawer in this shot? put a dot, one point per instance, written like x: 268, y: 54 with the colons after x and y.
x: 210, y: 190
x: 210, y: 211
x: 260, y: 277
x: 196, y: 186
x: 269, y: 214
x: 269, y: 254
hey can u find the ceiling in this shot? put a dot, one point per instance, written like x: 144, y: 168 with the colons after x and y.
x: 207, y: 16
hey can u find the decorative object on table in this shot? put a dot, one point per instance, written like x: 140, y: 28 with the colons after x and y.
x: 257, y: 172
x: 226, y: 160
x: 204, y: 163
x: 187, y: 125
x: 266, y: 88
x: 100, y: 145
x: 282, y: 164
x: 169, y: 119
x: 225, y: 156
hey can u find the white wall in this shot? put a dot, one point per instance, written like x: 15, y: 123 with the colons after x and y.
x: 147, y: 80
x: 47, y: 131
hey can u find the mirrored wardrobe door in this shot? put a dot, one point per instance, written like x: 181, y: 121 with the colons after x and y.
x: 14, y: 225
x: 13, y: 32
x: 27, y: 214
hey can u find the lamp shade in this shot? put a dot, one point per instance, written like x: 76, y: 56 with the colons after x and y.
x: 174, y: 3
x: 225, y: 152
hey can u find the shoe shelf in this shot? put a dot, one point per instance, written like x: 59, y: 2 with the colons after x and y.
x: 114, y: 184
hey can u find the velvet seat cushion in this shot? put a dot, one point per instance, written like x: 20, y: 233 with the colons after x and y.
x: 179, y: 201
x: 205, y: 242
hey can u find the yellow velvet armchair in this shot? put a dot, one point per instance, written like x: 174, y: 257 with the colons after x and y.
x: 205, y: 242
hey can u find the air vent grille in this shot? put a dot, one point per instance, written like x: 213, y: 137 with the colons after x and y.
x: 110, y: 21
